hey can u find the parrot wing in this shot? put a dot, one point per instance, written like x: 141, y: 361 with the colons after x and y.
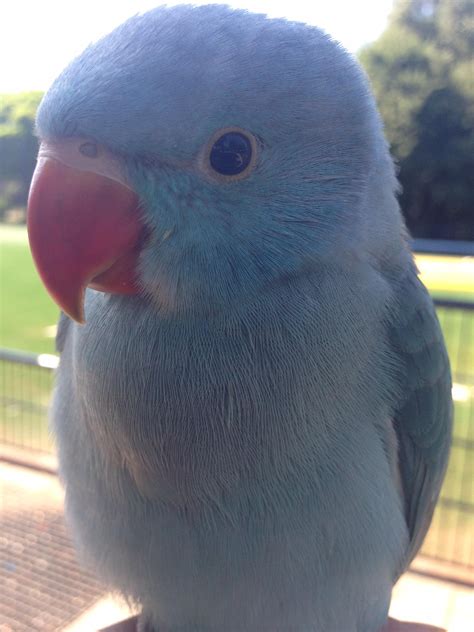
x: 423, y: 420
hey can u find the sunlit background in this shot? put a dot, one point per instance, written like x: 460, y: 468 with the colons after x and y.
x: 419, y: 57
x: 39, y: 38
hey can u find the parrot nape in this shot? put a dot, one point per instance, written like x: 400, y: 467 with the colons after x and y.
x: 253, y: 404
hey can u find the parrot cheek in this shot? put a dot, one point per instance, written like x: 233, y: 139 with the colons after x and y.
x: 84, y: 230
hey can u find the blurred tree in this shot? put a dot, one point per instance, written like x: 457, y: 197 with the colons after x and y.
x: 18, y: 148
x: 422, y: 72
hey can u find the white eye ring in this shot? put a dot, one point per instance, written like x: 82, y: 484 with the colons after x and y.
x: 229, y: 148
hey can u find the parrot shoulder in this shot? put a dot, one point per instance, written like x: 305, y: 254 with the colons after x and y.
x: 423, y: 415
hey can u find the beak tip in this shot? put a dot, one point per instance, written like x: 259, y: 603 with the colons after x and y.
x: 74, y: 309
x: 80, y: 320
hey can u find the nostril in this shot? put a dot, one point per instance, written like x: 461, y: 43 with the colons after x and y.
x: 89, y: 149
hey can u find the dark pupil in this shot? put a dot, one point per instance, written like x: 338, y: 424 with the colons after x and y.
x: 231, y: 154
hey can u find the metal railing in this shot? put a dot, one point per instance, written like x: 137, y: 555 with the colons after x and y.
x: 443, y: 247
x: 26, y: 382
x: 451, y: 535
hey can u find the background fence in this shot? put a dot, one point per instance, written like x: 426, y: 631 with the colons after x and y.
x: 451, y: 536
x: 26, y: 382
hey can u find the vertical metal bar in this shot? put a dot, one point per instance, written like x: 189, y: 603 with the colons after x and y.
x: 462, y: 535
x: 455, y: 358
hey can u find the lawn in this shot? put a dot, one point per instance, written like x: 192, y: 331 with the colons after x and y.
x: 27, y: 314
x: 448, y: 277
x: 27, y: 322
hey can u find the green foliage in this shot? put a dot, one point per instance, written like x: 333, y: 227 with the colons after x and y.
x: 18, y: 147
x: 422, y: 72
x: 17, y: 112
x: 402, y: 76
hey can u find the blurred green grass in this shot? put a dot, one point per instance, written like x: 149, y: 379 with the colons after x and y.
x: 27, y: 322
x: 27, y: 314
x: 448, y: 277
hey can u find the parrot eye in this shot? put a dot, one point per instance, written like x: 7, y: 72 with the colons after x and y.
x: 231, y: 154
x: 89, y: 149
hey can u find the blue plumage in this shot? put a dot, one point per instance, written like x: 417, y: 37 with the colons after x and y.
x: 256, y: 439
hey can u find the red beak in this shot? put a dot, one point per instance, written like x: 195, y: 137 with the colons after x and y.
x: 84, y: 230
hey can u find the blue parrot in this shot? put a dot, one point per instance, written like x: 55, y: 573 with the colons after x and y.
x: 253, y: 405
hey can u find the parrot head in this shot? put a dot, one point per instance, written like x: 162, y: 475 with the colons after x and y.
x: 197, y: 155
